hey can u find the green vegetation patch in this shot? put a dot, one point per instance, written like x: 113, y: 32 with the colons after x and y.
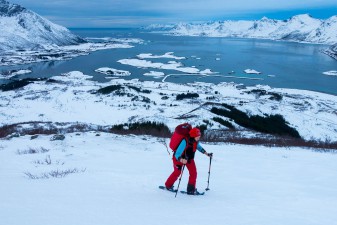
x: 16, y: 84
x: 110, y: 89
x: 273, y: 95
x: 223, y: 122
x: 139, y: 89
x: 142, y: 128
x: 188, y: 95
x: 272, y: 124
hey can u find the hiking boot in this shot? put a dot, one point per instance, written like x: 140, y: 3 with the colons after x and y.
x: 191, y: 189
x: 170, y: 188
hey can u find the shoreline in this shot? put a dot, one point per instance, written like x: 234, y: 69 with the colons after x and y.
x: 142, y: 61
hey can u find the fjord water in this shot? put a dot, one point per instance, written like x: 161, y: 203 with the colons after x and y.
x: 282, y: 64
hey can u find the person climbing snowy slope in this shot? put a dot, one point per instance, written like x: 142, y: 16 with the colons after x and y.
x: 184, y: 156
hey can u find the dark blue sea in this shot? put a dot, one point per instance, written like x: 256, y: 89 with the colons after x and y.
x: 283, y: 64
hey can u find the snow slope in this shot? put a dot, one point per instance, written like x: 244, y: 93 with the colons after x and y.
x: 21, y: 29
x: 118, y: 178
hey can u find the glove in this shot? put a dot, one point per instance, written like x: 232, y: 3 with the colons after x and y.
x: 209, y: 154
x: 183, y: 161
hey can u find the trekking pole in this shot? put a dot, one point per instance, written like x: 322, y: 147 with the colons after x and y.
x: 209, y: 170
x: 181, y: 175
x: 166, y: 148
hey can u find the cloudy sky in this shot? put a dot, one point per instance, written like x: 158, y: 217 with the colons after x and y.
x: 135, y: 13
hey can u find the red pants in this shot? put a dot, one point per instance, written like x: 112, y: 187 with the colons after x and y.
x: 192, y: 169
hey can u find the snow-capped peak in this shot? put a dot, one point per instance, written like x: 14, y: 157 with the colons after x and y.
x: 7, y: 9
x: 332, y: 19
x: 305, y: 19
x: 305, y: 16
x: 265, y: 19
x: 21, y: 28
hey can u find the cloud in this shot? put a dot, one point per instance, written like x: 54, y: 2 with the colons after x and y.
x: 135, y: 12
x: 168, y: 6
x: 107, y: 21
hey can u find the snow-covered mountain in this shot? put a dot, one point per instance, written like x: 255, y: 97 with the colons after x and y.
x: 299, y: 28
x: 21, y: 28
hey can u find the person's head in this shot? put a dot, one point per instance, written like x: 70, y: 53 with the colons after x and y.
x: 195, y: 133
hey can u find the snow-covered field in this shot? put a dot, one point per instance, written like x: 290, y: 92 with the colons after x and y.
x: 73, y: 97
x: 117, y: 177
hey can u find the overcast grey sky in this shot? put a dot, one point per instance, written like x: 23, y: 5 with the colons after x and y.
x: 135, y: 13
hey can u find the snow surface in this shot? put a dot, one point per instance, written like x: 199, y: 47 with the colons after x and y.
x: 168, y: 55
x: 140, y: 63
x: 112, y: 71
x: 330, y: 73
x: 251, y: 71
x: 155, y: 74
x: 118, y: 180
x: 170, y: 65
x: 13, y: 73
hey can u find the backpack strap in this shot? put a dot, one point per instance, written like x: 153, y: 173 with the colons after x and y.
x: 181, y: 148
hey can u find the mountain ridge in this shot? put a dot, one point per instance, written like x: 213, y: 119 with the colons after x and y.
x: 298, y: 28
